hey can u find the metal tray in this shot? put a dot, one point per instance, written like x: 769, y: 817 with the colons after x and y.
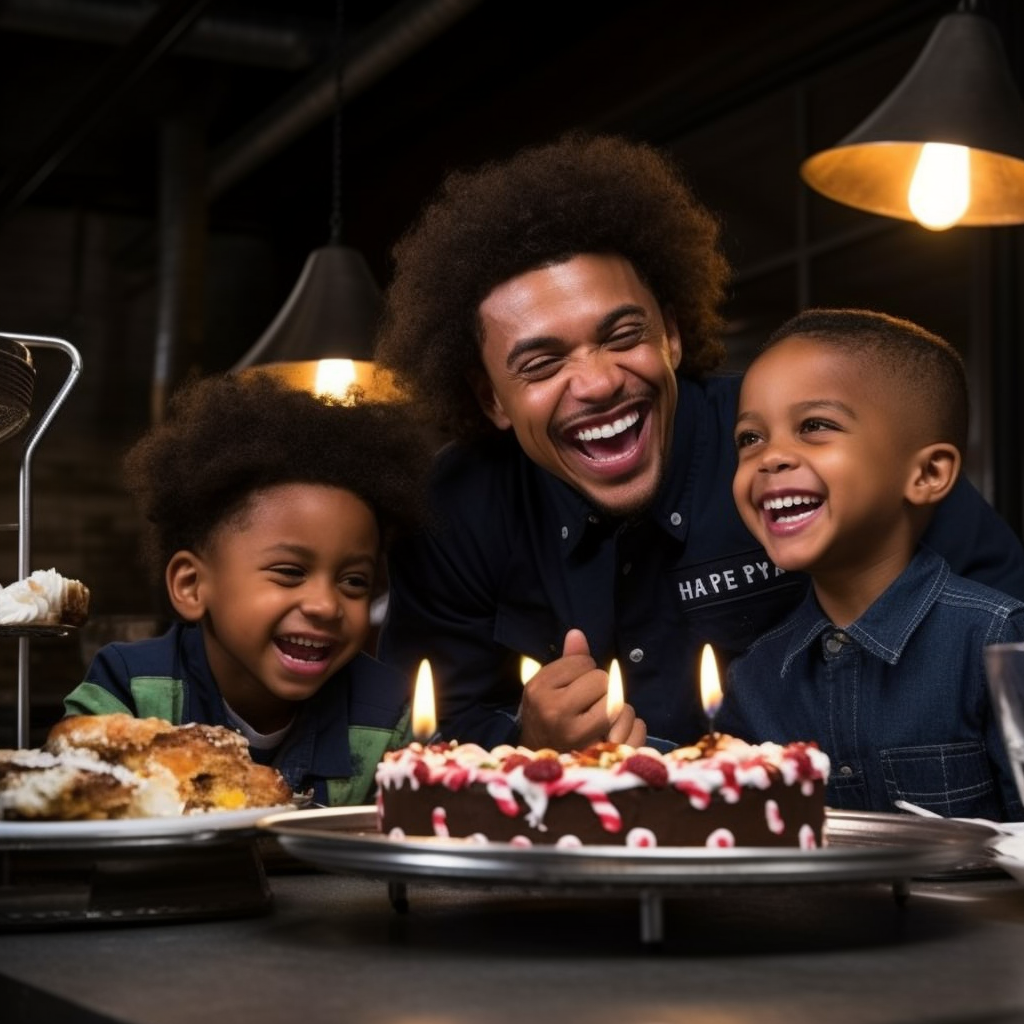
x: 860, y: 846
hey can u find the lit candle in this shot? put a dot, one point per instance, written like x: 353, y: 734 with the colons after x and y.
x: 710, y: 689
x: 615, y: 698
x: 528, y: 668
x: 424, y: 719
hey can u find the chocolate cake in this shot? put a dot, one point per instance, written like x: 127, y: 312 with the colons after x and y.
x: 721, y: 792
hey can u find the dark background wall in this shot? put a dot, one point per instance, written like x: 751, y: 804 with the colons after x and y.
x: 124, y: 229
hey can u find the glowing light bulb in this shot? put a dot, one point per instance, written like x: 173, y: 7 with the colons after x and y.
x: 940, y: 190
x: 334, y: 377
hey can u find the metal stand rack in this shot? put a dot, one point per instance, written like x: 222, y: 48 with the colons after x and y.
x: 25, y: 634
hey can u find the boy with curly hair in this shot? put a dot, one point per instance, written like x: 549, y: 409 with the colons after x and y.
x: 557, y: 315
x: 267, y: 514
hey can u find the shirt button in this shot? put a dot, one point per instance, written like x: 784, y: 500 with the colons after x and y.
x: 626, y: 567
x: 565, y: 532
x: 636, y: 655
x: 845, y: 770
x: 833, y: 646
x: 592, y: 518
x: 675, y: 519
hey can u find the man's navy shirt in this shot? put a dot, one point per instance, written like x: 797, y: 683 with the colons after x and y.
x: 516, y: 558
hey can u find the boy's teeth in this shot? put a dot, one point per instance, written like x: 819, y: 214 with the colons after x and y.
x: 304, y: 641
x: 608, y: 429
x: 774, y: 504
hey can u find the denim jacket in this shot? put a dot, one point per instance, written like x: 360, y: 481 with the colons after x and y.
x: 898, y: 700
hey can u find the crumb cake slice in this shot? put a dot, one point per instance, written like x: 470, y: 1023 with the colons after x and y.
x: 722, y: 792
x: 210, y: 763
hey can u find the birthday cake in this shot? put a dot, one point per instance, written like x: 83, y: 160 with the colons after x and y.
x: 722, y: 792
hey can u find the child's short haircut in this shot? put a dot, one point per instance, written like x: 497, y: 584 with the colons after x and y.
x: 229, y: 436
x: 927, y: 369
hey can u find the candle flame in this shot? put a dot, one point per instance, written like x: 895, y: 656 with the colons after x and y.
x: 710, y: 688
x: 528, y: 668
x: 615, y: 698
x: 424, y: 718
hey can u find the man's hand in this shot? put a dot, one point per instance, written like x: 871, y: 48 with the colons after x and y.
x: 564, y: 704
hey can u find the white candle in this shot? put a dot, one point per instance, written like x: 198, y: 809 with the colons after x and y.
x: 615, y: 698
x: 424, y: 718
x: 710, y: 688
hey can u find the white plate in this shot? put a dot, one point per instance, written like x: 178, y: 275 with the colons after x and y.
x: 1009, y: 855
x: 78, y: 834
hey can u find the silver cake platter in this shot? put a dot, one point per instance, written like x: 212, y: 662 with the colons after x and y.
x: 860, y: 846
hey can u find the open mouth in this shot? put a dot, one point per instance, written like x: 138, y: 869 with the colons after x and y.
x: 303, y: 648
x: 611, y: 440
x: 791, y: 508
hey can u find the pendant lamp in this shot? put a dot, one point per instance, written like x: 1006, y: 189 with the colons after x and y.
x: 322, y: 338
x: 947, y: 146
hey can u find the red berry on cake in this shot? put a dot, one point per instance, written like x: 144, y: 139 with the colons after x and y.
x: 544, y: 769
x: 650, y: 769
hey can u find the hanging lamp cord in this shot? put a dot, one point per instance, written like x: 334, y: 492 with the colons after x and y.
x: 339, y: 79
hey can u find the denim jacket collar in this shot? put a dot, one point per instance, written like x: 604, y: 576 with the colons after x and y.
x: 885, y: 629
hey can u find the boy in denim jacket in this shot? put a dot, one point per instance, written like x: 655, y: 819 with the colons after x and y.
x: 849, y: 431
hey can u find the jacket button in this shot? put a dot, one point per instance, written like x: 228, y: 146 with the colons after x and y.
x: 845, y: 770
x: 675, y: 519
x: 636, y: 655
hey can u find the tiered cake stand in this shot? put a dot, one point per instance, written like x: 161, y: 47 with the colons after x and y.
x: 17, y: 377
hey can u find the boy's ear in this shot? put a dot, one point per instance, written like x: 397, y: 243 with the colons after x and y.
x: 184, y: 577
x: 487, y: 399
x: 933, y: 473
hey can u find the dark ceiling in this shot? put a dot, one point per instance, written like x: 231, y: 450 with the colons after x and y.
x: 90, y: 87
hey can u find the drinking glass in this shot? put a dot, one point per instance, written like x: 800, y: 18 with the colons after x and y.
x: 1004, y: 668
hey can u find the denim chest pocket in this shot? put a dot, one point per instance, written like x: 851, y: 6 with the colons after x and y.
x: 952, y: 779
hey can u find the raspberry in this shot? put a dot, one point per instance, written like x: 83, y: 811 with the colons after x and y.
x: 547, y: 769
x: 513, y: 761
x: 651, y: 770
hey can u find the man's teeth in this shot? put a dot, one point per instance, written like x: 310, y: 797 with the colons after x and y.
x: 608, y: 429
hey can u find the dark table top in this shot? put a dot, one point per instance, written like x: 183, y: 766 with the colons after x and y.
x: 332, y: 948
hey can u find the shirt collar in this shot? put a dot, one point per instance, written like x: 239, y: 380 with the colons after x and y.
x: 885, y: 629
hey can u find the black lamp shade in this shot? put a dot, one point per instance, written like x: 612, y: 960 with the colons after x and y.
x: 960, y: 91
x: 331, y: 313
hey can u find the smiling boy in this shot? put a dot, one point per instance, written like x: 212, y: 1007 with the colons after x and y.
x: 268, y: 513
x: 849, y: 431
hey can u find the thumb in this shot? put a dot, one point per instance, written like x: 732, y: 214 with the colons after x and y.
x: 575, y: 643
